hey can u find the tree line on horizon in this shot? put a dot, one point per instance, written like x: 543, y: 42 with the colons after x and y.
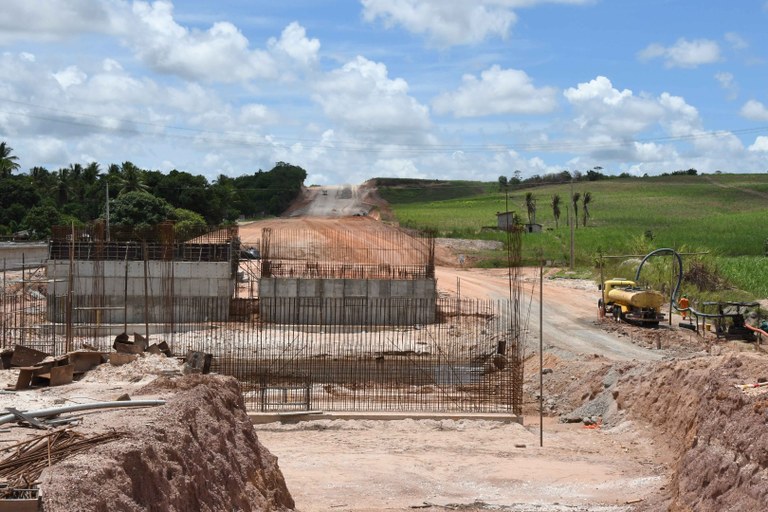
x: 32, y: 202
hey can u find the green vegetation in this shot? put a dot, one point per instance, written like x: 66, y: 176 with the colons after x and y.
x: 77, y: 194
x: 719, y: 214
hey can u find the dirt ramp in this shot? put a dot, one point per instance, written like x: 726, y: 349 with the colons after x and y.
x: 198, y: 452
x: 716, y: 432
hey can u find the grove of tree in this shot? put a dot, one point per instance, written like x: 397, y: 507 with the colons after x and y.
x: 38, y: 199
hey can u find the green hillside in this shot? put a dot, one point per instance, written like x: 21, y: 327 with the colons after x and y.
x: 725, y: 214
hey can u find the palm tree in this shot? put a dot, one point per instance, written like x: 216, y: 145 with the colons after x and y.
x: 556, y: 208
x: 8, y: 162
x: 76, y: 182
x: 62, y: 186
x: 575, y: 200
x: 131, y: 179
x: 530, y: 205
x: 585, y: 201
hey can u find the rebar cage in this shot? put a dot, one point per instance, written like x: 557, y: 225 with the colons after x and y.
x: 470, y: 359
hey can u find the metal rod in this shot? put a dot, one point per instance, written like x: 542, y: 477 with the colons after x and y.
x: 541, y: 354
x: 42, y: 413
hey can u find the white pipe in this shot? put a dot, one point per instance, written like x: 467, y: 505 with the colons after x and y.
x: 6, y: 418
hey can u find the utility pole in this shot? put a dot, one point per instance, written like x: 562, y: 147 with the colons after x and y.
x: 570, y: 223
x: 107, y: 211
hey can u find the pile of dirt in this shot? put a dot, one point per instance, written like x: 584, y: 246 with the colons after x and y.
x: 199, y: 451
x: 712, y: 431
x: 716, y: 430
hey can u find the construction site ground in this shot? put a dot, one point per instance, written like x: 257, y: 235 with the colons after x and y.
x: 666, y: 426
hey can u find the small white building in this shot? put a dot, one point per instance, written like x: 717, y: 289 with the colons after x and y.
x: 505, y: 220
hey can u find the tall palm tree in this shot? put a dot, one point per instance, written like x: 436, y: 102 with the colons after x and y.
x: 76, y: 182
x: 8, y: 161
x: 131, y: 179
x: 530, y: 205
x: 585, y: 201
x: 556, y: 208
x: 575, y: 200
x: 62, y: 186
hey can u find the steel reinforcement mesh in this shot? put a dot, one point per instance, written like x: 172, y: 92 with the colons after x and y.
x: 333, y: 253
x: 470, y: 360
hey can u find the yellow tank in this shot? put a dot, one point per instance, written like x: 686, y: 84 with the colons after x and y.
x: 636, y: 298
x: 625, y: 292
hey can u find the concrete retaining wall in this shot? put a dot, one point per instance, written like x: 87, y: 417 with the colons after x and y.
x: 347, y: 301
x: 119, y: 291
x: 15, y: 254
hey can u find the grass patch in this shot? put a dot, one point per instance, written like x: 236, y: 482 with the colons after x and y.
x: 715, y: 213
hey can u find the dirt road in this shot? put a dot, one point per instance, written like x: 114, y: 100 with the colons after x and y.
x: 331, y: 202
x: 570, y: 309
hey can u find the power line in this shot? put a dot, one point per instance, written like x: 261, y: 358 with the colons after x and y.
x: 245, y: 139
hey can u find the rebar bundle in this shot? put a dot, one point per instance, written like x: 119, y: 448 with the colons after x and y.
x: 27, y: 459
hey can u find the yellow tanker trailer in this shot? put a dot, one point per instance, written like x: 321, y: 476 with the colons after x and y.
x: 624, y: 300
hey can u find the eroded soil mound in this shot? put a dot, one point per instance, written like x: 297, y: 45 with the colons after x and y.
x: 197, y: 452
x: 714, y: 431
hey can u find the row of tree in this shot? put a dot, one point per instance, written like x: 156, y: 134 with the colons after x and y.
x: 556, y: 203
x: 36, y: 200
x: 594, y: 174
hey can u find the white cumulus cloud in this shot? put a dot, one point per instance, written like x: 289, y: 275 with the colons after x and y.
x: 220, y: 54
x: 684, y: 53
x: 444, y: 22
x: 754, y: 110
x: 498, y: 91
x: 294, y: 43
x: 49, y: 20
x: 453, y: 22
x: 72, y: 75
x: 760, y: 144
x: 362, y: 98
x: 603, y: 109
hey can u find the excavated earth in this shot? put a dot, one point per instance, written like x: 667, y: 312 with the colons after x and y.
x: 197, y: 452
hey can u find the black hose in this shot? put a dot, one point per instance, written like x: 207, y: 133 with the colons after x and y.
x: 679, y: 259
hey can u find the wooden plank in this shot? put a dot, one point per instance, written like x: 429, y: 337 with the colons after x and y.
x: 128, y: 348
x: 24, y: 380
x: 62, y: 374
x: 85, y: 360
x: 25, y: 356
x: 118, y: 359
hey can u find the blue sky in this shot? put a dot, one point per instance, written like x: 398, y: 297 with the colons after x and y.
x: 351, y: 90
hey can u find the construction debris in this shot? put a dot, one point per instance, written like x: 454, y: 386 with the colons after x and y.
x: 21, y: 469
x: 46, y: 413
x: 37, y: 368
x: 198, y: 362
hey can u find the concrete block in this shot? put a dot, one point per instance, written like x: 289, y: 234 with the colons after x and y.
x: 219, y: 269
x: 266, y: 287
x: 309, y: 288
x: 286, y: 288
x: 182, y: 288
x: 110, y: 268
x: 113, y: 286
x: 355, y: 288
x: 223, y: 288
x: 424, y: 288
x: 182, y: 270
x: 401, y: 288
x: 333, y: 288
